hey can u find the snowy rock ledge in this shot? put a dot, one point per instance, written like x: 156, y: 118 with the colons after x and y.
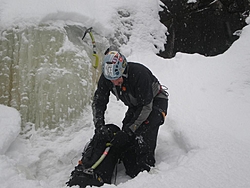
x: 10, y: 126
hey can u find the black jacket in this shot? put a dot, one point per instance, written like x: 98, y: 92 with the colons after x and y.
x: 137, y: 92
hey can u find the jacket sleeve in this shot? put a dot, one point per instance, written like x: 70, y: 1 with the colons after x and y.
x: 145, y: 91
x: 100, y: 101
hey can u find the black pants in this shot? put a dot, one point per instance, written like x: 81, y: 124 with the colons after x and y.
x: 139, y: 153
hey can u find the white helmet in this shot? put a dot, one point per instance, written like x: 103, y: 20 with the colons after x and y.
x: 113, y: 65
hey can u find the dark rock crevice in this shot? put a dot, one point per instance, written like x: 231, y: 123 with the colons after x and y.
x: 207, y: 27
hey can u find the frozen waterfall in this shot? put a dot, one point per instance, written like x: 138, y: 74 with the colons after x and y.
x: 46, y: 72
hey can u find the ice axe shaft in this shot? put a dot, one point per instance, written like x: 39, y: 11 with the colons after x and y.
x: 90, y: 170
x: 89, y: 31
x: 98, y: 162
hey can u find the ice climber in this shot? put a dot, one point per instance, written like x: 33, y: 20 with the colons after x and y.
x: 147, y: 102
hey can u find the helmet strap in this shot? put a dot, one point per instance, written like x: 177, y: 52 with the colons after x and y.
x: 125, y: 73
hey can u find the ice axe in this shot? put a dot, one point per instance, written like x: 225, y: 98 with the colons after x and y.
x: 99, y: 161
x: 89, y: 31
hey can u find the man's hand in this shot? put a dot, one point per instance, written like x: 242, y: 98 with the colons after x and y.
x: 104, y: 133
x: 128, y: 130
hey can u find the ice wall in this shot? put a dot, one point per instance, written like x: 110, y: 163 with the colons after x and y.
x: 46, y: 73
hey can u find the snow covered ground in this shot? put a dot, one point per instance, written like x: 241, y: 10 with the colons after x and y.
x: 205, y: 140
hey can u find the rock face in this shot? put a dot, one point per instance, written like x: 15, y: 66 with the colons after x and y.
x: 207, y: 27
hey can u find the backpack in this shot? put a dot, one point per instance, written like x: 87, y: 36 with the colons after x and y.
x: 98, y: 160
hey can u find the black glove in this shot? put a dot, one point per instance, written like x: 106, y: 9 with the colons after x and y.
x: 103, y: 133
x: 128, y: 130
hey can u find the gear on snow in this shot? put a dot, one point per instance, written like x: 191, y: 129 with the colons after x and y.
x: 98, y: 159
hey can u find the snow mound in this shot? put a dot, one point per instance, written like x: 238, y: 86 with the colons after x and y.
x: 10, y: 122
